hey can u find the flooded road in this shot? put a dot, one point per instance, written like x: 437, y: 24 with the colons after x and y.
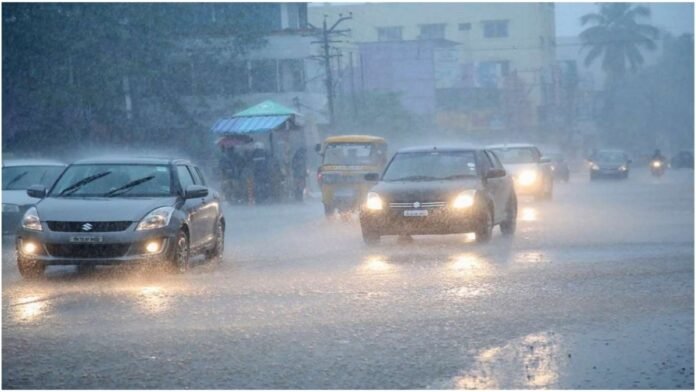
x: 594, y: 291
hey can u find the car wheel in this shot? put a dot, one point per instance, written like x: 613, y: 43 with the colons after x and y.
x: 181, y: 253
x: 371, y: 238
x: 218, y: 250
x: 484, y: 231
x: 548, y: 194
x: 509, y: 225
x: 30, y: 269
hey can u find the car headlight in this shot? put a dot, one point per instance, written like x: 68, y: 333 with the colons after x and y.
x: 31, y: 221
x: 464, y: 199
x: 657, y: 164
x: 623, y: 168
x: 156, y: 219
x: 374, y: 202
x: 6, y: 207
x: 527, y: 177
x: 594, y: 166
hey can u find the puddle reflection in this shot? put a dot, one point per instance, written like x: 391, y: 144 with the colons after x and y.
x: 532, y: 361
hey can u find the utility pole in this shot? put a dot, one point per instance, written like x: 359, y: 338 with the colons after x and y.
x: 325, y: 34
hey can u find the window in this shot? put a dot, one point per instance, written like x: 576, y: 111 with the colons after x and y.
x: 200, y: 176
x: 264, y: 76
x: 484, y: 162
x: 389, y: 33
x: 292, y: 75
x: 185, y: 178
x: 495, y: 28
x: 495, y: 162
x: 464, y: 26
x: 432, y: 31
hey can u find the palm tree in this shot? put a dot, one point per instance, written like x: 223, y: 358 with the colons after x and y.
x: 615, y: 34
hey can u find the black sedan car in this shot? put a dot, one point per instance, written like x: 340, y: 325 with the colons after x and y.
x: 17, y: 176
x: 559, y: 166
x: 114, y: 211
x: 609, y: 163
x: 433, y: 190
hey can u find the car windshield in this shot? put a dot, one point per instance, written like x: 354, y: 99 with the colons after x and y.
x: 110, y: 180
x: 22, y: 177
x: 610, y: 156
x: 350, y: 154
x: 431, y: 166
x: 517, y: 155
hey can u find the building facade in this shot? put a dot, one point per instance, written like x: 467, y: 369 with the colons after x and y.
x: 497, y: 55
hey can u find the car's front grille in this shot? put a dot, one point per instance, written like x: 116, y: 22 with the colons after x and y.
x: 88, y: 227
x: 88, y: 251
x: 433, y: 204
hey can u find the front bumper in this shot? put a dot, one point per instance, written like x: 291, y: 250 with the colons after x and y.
x: 608, y: 172
x: 127, y: 247
x: 441, y: 220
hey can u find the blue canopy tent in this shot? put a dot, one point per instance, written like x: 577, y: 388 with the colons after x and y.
x: 245, y: 126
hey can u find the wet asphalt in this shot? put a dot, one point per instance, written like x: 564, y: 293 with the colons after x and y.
x: 596, y: 290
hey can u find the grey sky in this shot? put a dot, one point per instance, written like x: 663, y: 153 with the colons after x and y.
x: 676, y: 18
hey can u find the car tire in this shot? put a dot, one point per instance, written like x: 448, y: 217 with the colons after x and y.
x: 181, y: 253
x: 484, y: 231
x: 215, y: 255
x: 509, y: 225
x: 371, y: 238
x: 29, y: 268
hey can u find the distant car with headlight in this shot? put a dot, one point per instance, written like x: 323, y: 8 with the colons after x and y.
x: 117, y: 211
x: 440, y: 190
x: 17, y: 177
x: 530, y: 171
x: 609, y: 163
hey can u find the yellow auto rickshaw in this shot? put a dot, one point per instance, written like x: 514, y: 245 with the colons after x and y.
x: 345, y: 161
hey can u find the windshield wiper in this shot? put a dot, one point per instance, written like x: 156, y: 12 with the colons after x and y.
x: 456, y: 176
x: 14, y: 180
x: 415, y: 178
x: 128, y: 186
x: 74, y: 187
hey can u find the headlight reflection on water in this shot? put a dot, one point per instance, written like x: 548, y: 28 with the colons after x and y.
x: 528, y: 214
x: 152, y: 299
x: 375, y: 264
x: 30, y: 308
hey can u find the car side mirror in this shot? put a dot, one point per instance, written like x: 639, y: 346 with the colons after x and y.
x: 496, y: 173
x: 195, y: 191
x: 317, y: 148
x: 544, y: 160
x: 37, y: 191
x: 371, y: 177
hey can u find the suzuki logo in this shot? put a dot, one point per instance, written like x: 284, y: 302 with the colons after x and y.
x: 416, y: 205
x: 87, y: 227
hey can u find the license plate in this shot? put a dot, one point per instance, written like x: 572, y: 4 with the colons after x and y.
x: 416, y: 213
x: 86, y: 238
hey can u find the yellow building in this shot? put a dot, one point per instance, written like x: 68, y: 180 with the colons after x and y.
x: 511, y: 37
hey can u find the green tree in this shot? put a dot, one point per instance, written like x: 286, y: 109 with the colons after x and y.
x: 75, y: 73
x: 616, y: 35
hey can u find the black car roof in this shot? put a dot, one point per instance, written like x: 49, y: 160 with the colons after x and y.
x: 131, y: 161
x: 447, y: 148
